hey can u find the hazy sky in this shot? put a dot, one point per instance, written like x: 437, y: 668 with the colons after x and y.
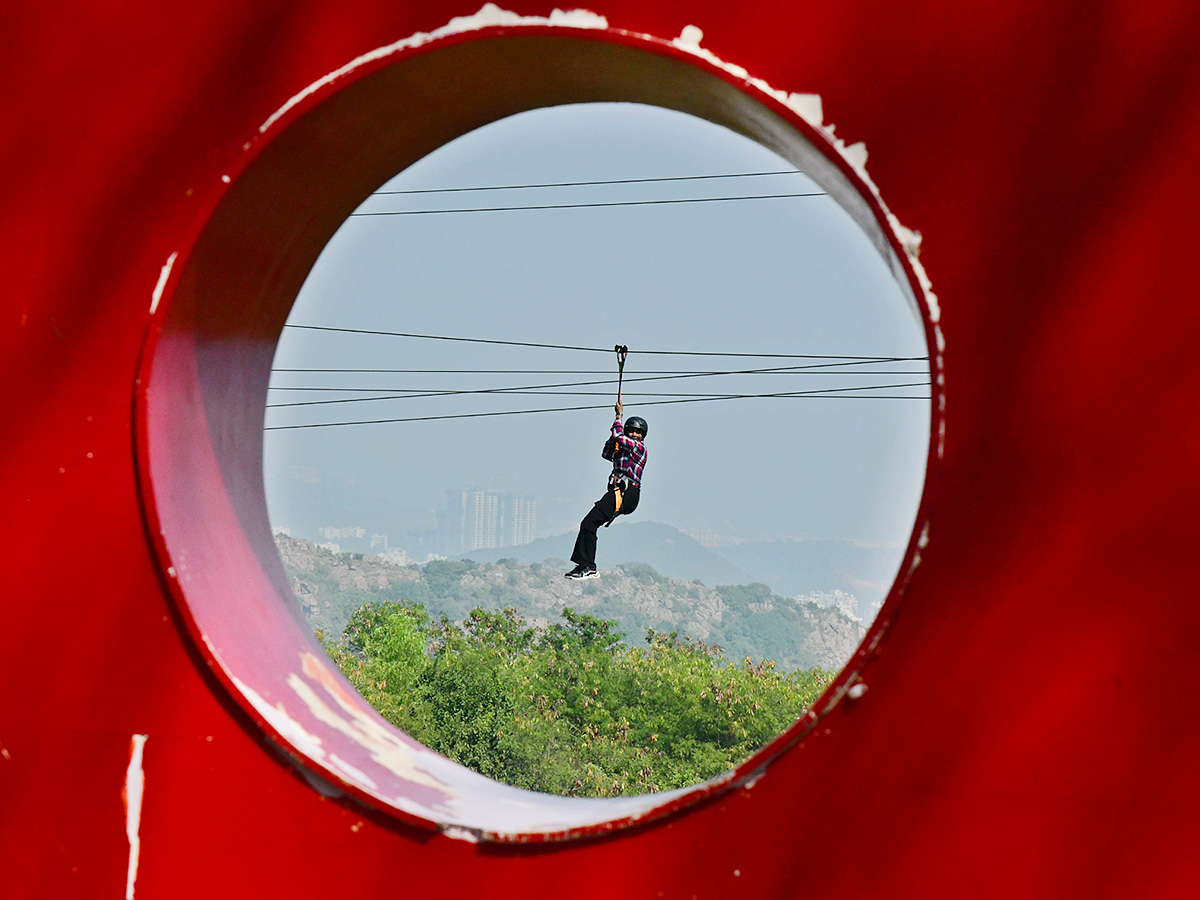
x: 778, y: 276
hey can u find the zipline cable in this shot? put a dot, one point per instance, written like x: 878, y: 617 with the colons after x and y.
x: 541, y: 390
x: 504, y: 390
x: 560, y: 184
x: 600, y: 205
x: 818, y: 395
x: 442, y: 337
x: 323, y: 371
x: 535, y: 392
x: 449, y: 391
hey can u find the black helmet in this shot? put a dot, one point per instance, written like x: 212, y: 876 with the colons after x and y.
x: 636, y: 423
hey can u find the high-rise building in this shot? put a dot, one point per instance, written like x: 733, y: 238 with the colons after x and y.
x: 484, y: 520
x: 479, y: 519
x: 520, y: 519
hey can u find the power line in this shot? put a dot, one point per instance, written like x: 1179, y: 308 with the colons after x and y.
x: 483, y: 209
x: 822, y: 367
x: 457, y: 371
x: 553, y: 392
x: 818, y: 395
x: 442, y: 337
x: 392, y: 390
x: 830, y: 362
x: 517, y: 187
x: 541, y: 387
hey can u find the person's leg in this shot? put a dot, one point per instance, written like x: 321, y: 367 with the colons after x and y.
x: 584, y: 553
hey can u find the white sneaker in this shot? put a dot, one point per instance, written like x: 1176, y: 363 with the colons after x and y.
x: 581, y: 572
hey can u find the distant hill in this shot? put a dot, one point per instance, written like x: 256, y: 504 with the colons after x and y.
x: 795, y: 567
x: 745, y: 620
x: 790, y: 567
x: 668, y: 550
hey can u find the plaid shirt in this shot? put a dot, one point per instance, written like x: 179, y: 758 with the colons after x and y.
x: 630, y: 455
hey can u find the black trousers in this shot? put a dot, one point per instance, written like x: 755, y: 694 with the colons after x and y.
x: 584, y: 553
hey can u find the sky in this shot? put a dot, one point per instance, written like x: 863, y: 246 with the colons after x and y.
x: 792, y: 276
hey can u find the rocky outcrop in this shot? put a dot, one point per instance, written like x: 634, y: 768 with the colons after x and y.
x: 329, y: 587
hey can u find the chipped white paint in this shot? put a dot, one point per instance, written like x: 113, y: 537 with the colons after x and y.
x: 361, y: 724
x: 4, y: 752
x: 135, y: 785
x: 807, y: 106
x: 856, y: 155
x: 460, y: 814
x: 458, y: 833
x: 162, y: 281
x: 489, y: 16
x: 910, y: 240
x: 384, y: 745
x: 323, y: 701
x: 350, y: 771
x: 285, y: 726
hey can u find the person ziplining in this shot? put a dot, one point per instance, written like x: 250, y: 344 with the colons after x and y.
x: 626, y: 449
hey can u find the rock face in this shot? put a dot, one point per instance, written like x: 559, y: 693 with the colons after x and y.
x: 349, y: 571
x: 329, y: 587
x: 833, y: 638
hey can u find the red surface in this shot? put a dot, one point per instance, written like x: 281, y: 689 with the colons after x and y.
x: 1030, y: 727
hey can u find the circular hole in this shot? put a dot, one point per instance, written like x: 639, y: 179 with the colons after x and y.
x: 447, y: 375
x: 203, y: 386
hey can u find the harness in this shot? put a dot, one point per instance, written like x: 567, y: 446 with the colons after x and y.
x: 616, y: 485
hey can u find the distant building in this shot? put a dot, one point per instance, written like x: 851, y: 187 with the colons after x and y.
x: 330, y: 533
x: 332, y: 548
x: 396, y: 557
x: 484, y: 522
x: 452, y: 523
x: 379, y: 541
x: 839, y: 600
x: 520, y: 519
x: 479, y: 519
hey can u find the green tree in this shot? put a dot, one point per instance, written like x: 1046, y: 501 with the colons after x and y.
x: 568, y: 708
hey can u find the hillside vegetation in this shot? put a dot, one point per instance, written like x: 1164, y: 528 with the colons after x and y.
x: 528, y: 678
x: 742, y: 620
x: 567, y: 708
